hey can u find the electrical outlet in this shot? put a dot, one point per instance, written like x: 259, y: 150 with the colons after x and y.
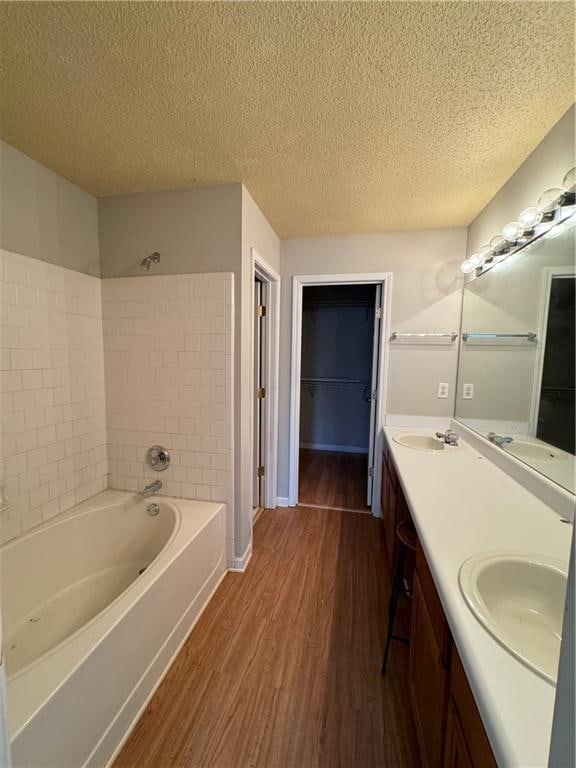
x: 443, y: 389
x: 467, y: 391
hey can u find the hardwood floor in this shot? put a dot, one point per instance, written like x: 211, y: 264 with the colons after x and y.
x: 283, y: 668
x: 336, y: 480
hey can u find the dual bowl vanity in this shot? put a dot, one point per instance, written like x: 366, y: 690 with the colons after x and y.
x: 488, y: 591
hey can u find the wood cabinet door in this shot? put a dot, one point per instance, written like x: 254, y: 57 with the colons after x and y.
x: 390, y: 516
x: 456, y: 752
x: 384, y: 484
x: 428, y: 682
x: 469, y: 720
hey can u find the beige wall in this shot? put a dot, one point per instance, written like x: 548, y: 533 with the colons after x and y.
x: 195, y: 230
x: 44, y: 216
x: 543, y: 169
x: 426, y: 296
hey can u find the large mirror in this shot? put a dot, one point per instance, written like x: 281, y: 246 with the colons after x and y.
x: 517, y: 369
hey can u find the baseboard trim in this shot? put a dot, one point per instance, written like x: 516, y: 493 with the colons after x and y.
x: 241, y: 563
x: 282, y: 501
x: 334, y: 448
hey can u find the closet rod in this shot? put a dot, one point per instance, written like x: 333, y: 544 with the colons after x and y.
x: 321, y: 380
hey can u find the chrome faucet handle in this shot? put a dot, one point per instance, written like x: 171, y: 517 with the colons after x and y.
x: 158, y: 458
x: 449, y: 437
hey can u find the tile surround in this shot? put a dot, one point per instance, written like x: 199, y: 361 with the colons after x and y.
x: 52, y: 399
x: 168, y: 347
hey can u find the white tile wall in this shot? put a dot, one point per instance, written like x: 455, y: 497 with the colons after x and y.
x: 168, y: 345
x: 52, y: 409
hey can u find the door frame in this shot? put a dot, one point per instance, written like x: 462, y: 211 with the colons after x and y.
x: 263, y: 271
x: 299, y: 282
x: 549, y: 273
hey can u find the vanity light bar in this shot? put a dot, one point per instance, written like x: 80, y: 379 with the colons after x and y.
x: 532, y: 222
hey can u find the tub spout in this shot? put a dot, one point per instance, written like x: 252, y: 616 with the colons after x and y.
x: 151, y: 488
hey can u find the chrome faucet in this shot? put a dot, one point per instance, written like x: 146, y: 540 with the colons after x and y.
x: 449, y: 437
x: 499, y: 440
x: 152, y: 488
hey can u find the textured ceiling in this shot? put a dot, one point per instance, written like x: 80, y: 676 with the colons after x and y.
x: 338, y: 117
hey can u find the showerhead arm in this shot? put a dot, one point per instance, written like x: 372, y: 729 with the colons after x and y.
x: 147, y: 260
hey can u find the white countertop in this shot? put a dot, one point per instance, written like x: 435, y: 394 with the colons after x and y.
x: 462, y: 504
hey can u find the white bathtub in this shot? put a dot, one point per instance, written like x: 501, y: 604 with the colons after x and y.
x: 95, y: 606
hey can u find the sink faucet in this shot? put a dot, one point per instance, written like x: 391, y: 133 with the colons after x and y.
x: 152, y: 488
x: 499, y: 440
x: 449, y: 437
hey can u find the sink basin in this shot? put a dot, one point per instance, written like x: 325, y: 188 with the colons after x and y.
x: 520, y: 600
x: 525, y: 450
x: 420, y: 442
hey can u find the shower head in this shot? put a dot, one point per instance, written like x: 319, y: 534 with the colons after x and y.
x: 145, y: 263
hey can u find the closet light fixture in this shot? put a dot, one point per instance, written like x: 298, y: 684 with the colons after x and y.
x: 554, y: 208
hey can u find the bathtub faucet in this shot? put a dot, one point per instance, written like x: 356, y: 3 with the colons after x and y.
x: 152, y: 488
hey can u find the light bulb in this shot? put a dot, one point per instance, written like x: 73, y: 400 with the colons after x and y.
x: 467, y: 267
x: 476, y: 260
x: 569, y: 182
x: 498, y: 244
x: 530, y: 217
x: 512, y: 232
x: 549, y: 201
x: 485, y: 253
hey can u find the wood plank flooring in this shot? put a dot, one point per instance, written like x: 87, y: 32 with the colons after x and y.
x: 336, y: 480
x: 283, y: 668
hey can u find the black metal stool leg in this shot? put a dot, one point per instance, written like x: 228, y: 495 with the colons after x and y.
x: 393, y: 604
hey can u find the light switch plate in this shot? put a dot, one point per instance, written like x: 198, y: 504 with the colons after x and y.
x: 443, y: 388
x: 467, y: 391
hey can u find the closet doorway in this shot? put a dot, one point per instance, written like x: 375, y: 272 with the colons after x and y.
x: 337, y: 392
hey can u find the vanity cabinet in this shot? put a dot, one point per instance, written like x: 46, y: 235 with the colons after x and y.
x: 389, y: 503
x: 456, y: 754
x: 430, y: 647
x: 449, y: 727
x: 466, y: 742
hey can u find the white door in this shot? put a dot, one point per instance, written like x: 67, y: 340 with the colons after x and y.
x: 374, y: 392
